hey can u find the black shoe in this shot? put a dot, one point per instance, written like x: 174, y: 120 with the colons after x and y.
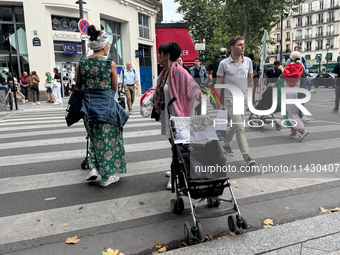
x: 334, y: 110
x: 250, y: 161
x: 228, y: 151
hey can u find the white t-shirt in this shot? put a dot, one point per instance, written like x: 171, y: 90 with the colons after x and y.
x: 72, y: 76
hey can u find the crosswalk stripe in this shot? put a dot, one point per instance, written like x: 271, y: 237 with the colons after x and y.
x: 148, y: 124
x: 80, y: 138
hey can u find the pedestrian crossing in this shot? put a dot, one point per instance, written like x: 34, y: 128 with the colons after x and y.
x: 46, y: 197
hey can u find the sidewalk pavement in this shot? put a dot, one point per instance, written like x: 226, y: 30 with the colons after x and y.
x: 318, y: 235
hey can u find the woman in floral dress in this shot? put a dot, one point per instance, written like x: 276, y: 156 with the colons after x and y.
x: 105, y: 118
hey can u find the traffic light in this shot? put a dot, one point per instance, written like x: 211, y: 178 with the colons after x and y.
x: 203, y: 56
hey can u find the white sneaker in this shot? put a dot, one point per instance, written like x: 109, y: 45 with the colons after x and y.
x: 26, y: 101
x: 38, y: 103
x: 34, y: 104
x: 92, y: 175
x: 112, y: 179
x: 312, y: 91
x: 305, y: 119
x: 23, y: 101
x: 168, y: 174
x: 169, y: 186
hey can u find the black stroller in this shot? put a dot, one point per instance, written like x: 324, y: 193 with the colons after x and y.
x: 264, y: 104
x: 186, y: 156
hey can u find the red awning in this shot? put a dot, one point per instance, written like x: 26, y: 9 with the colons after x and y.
x: 182, y: 37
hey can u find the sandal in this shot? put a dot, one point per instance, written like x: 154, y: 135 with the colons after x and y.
x: 303, y: 134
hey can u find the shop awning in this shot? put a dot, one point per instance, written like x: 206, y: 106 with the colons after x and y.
x: 307, y: 57
x: 329, y: 56
x: 177, y: 32
x: 317, y: 55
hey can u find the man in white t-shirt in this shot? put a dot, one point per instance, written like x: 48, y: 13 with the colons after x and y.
x: 71, y: 80
x: 236, y: 70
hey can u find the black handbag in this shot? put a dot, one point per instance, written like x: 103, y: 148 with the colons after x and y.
x: 73, y: 113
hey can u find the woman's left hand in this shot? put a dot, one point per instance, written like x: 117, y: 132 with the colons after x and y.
x: 198, y: 97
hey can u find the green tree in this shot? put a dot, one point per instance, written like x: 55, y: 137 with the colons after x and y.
x: 217, y: 21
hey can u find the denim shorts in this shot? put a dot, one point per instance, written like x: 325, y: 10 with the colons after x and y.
x: 49, y: 90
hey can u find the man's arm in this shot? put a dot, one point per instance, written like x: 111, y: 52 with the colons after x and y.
x: 219, y: 80
x: 250, y: 81
x: 136, y: 79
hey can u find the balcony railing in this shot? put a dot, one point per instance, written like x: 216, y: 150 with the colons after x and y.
x: 287, y: 39
x: 288, y: 51
x: 331, y: 19
x: 331, y: 46
x: 298, y: 37
x: 278, y: 28
x: 319, y: 21
x: 287, y: 27
x: 308, y: 49
x: 298, y: 24
x: 319, y: 34
x: 318, y: 48
x: 308, y: 36
x: 308, y: 23
x: 329, y: 33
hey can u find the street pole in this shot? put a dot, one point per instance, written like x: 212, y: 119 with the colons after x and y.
x: 281, y: 38
x: 11, y: 72
x: 81, y: 15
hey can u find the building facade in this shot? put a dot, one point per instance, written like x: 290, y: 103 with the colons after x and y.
x: 42, y: 33
x: 316, y: 29
x: 287, y: 40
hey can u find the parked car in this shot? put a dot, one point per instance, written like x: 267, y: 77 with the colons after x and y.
x: 311, y: 76
x: 323, y: 79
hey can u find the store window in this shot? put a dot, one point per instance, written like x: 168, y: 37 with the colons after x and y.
x: 143, y: 22
x: 113, y: 29
x: 12, y: 27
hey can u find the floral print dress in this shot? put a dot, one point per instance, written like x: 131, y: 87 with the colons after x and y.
x: 107, y: 152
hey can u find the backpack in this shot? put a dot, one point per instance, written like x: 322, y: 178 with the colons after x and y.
x: 123, y: 73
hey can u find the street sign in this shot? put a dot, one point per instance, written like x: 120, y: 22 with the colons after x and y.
x: 199, y: 46
x: 139, y: 53
x: 265, y: 36
x: 83, y: 25
x: 36, y: 41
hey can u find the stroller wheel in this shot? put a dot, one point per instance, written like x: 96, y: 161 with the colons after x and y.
x: 210, y: 202
x: 241, y: 222
x: 180, y: 205
x: 278, y: 127
x: 187, y: 231
x: 217, y: 203
x: 84, y: 164
x: 176, y: 206
x: 232, y: 223
x: 200, y: 230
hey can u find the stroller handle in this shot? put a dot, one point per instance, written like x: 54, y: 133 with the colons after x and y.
x: 170, y: 103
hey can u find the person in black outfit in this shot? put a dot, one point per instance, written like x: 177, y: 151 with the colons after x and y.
x: 273, y: 74
x: 337, y: 88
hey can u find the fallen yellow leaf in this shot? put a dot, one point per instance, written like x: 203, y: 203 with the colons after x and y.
x: 233, y: 182
x: 72, y: 240
x: 260, y: 180
x: 335, y: 209
x: 218, y: 238
x: 158, y: 245
x: 160, y: 250
x: 110, y: 251
x: 226, y: 236
x: 204, y: 239
x: 183, y: 243
x: 268, y: 222
x: 267, y: 226
x: 323, y: 210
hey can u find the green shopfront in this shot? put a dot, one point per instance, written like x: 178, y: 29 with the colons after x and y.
x: 12, y: 26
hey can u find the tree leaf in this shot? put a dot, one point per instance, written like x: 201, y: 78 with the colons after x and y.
x: 160, y: 250
x: 158, y: 246
x: 268, y: 222
x: 72, y: 240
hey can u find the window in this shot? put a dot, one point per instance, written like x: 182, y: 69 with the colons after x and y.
x: 331, y: 43
x: 278, y: 26
x: 143, y: 22
x: 308, y: 45
x: 310, y: 7
x: 320, y: 45
x: 332, y: 3
x: 299, y: 22
x: 330, y: 16
x: 319, y: 31
x: 287, y: 46
x: 320, y: 18
x: 67, y: 24
x: 115, y: 40
x: 288, y: 36
x: 321, y: 5
x: 309, y: 32
x: 288, y: 24
x: 278, y: 37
